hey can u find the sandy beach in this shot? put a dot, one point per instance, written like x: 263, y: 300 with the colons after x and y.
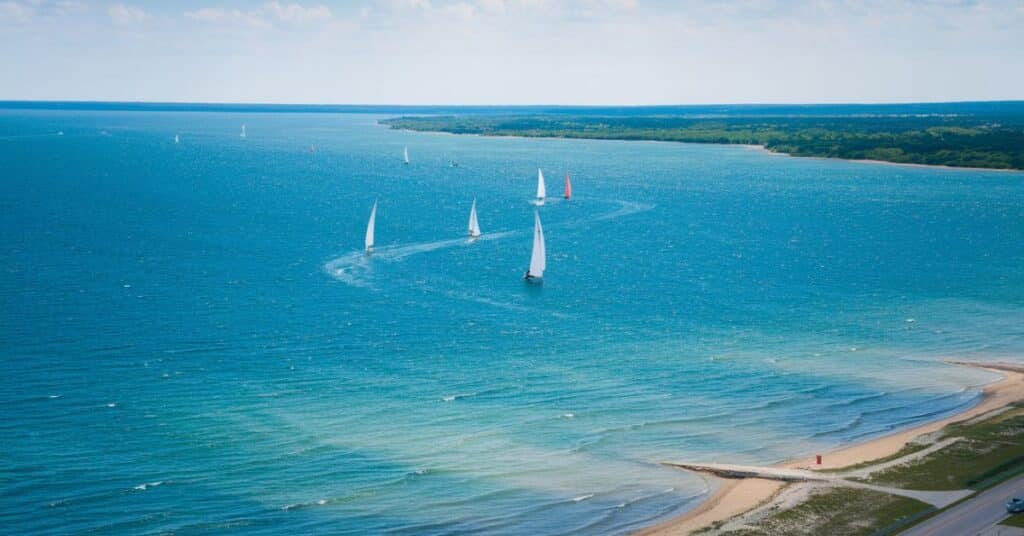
x: 766, y: 150
x: 735, y: 497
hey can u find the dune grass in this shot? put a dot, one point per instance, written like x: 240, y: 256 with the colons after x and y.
x: 988, y: 453
x: 838, y: 512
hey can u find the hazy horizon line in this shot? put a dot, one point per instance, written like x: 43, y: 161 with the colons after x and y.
x: 24, y: 103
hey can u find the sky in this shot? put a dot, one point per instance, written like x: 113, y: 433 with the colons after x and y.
x: 586, y: 52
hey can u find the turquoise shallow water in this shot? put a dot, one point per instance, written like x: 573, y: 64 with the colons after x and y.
x: 192, y: 341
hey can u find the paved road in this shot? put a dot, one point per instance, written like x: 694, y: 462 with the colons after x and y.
x: 971, y: 516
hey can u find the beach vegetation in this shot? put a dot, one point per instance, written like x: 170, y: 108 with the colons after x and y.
x: 838, y: 512
x: 959, y: 140
x: 988, y: 452
x: 1016, y: 520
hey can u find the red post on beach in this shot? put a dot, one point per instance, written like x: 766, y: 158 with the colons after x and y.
x: 818, y: 456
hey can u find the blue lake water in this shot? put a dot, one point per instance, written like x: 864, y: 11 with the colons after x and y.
x: 192, y: 341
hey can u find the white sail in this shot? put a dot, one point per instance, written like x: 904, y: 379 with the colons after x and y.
x: 541, y: 191
x: 405, y: 154
x: 538, y: 259
x: 474, y: 225
x: 176, y: 139
x: 243, y: 131
x: 369, y: 227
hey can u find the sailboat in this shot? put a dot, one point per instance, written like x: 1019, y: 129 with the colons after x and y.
x: 405, y: 154
x: 541, y: 191
x: 177, y: 139
x: 568, y: 187
x: 538, y: 259
x: 369, y: 227
x: 474, y: 225
x: 243, y: 131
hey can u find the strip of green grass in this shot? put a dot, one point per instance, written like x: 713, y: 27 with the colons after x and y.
x: 838, y: 512
x: 990, y: 452
x: 1016, y: 520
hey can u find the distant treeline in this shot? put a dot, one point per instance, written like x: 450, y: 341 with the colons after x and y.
x: 988, y: 138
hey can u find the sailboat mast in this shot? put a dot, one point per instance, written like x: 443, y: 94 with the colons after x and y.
x: 370, y: 227
x: 474, y: 225
x: 538, y: 258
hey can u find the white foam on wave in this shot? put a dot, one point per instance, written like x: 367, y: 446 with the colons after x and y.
x: 351, y: 269
x: 452, y: 398
x: 582, y: 497
x: 627, y: 208
x: 295, y: 506
x: 147, y: 485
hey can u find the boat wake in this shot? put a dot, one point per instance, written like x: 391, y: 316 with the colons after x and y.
x: 355, y: 268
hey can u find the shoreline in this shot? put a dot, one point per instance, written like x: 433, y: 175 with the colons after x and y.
x: 737, y: 497
x: 744, y: 145
x: 869, y: 160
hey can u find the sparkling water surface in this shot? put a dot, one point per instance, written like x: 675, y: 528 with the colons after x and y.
x: 193, y: 341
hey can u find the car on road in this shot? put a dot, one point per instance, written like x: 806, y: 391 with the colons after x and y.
x: 1015, y: 505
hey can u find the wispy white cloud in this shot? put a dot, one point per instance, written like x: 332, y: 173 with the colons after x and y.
x: 493, y: 7
x: 297, y: 13
x: 460, y: 10
x: 16, y: 12
x: 264, y: 16
x: 404, y: 5
x: 624, y: 51
x: 125, y: 15
x: 64, y: 7
x: 219, y: 15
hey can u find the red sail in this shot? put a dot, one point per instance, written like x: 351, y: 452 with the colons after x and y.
x: 568, y: 187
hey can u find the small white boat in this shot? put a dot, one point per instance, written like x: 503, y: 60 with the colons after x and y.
x: 541, y: 190
x: 474, y: 225
x: 370, y: 226
x: 243, y: 134
x: 538, y: 258
x: 177, y: 139
x: 405, y: 155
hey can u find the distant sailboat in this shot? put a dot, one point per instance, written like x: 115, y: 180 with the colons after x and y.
x: 405, y: 155
x: 538, y: 259
x: 243, y: 135
x: 369, y: 227
x: 541, y: 191
x: 177, y: 139
x: 474, y: 225
x: 568, y: 187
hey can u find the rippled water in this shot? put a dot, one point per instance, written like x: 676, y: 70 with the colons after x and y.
x: 192, y: 340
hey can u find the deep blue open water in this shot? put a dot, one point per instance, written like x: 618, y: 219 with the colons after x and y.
x: 192, y: 341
